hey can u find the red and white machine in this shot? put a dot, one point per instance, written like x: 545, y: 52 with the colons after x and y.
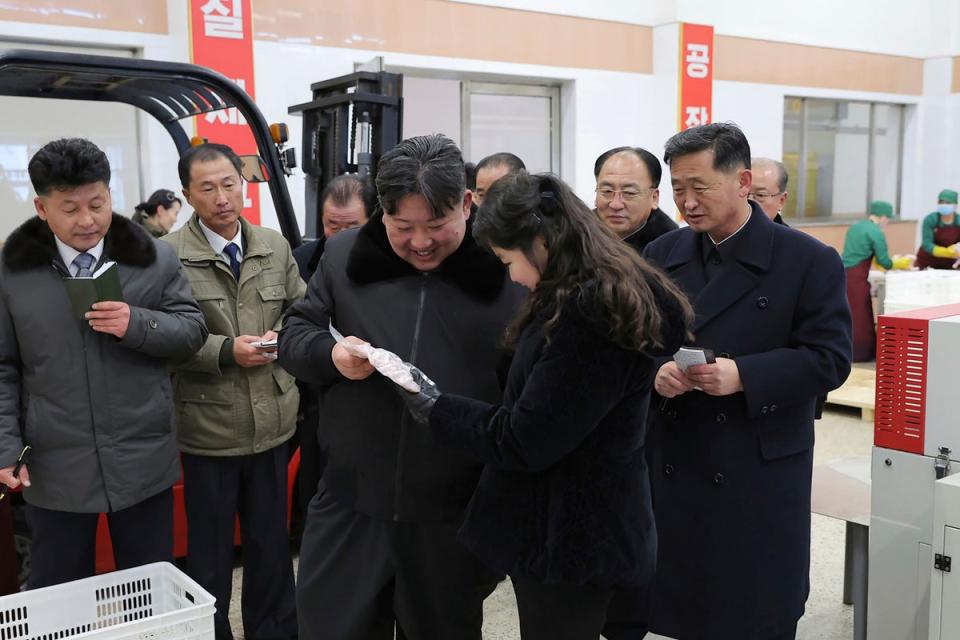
x: 916, y: 449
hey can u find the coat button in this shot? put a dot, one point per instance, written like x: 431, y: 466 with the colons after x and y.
x: 764, y: 409
x: 668, y: 469
x: 203, y: 396
x: 718, y: 479
x: 773, y: 408
x: 721, y: 418
x: 153, y: 324
x: 762, y: 302
x: 715, y: 260
x: 240, y: 305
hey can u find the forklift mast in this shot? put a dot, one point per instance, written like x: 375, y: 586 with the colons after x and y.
x: 350, y: 123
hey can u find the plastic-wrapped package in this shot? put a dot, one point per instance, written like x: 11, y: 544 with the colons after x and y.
x: 386, y: 362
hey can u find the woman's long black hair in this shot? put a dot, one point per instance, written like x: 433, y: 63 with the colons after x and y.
x: 628, y: 295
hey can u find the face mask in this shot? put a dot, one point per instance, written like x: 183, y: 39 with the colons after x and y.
x: 947, y: 209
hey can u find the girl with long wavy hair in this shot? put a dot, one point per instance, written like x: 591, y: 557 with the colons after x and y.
x: 563, y: 504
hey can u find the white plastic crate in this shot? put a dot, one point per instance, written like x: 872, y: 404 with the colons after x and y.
x: 153, y: 602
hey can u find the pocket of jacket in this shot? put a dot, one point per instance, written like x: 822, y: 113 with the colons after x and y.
x: 206, y: 393
x: 284, y: 380
x: 210, y: 299
x: 785, y: 440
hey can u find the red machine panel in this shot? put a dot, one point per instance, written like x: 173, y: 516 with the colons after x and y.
x: 901, y: 389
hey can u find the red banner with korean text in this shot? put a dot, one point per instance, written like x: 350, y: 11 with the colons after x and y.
x: 221, y: 38
x: 696, y: 75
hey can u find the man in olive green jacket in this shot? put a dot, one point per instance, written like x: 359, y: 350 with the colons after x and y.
x: 235, y: 406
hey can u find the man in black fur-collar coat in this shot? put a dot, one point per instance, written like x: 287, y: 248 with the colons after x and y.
x: 90, y: 395
x: 380, y: 542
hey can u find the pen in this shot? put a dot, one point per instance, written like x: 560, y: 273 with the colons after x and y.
x: 21, y: 460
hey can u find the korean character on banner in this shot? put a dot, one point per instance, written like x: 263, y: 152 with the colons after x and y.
x: 696, y: 116
x: 698, y: 60
x: 221, y: 20
x: 231, y: 115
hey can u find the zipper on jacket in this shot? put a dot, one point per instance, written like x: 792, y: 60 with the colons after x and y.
x: 405, y: 418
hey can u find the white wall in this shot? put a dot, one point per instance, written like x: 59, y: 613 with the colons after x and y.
x: 923, y: 28
x: 599, y: 109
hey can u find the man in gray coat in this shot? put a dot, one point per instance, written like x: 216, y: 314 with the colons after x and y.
x: 91, y: 396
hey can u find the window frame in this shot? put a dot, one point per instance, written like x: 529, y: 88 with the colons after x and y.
x: 470, y: 87
x: 797, y: 216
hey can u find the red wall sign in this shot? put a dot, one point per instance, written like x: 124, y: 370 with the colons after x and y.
x: 696, y: 75
x: 221, y: 38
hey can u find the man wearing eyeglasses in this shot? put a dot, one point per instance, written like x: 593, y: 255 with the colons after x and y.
x: 628, y: 195
x: 769, y: 188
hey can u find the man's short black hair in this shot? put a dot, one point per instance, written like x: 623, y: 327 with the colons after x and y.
x: 205, y: 153
x: 502, y: 159
x: 67, y: 163
x: 650, y: 160
x: 429, y: 166
x: 470, y: 172
x: 731, y: 151
x: 343, y: 189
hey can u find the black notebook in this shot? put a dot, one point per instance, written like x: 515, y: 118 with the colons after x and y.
x: 103, y: 285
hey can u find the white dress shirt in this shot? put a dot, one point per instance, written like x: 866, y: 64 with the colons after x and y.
x: 68, y: 254
x: 218, y: 242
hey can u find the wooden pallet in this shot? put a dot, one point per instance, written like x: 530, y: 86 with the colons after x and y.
x: 858, y: 391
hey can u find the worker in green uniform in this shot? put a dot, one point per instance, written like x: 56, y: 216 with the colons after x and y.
x: 864, y: 243
x: 941, y: 233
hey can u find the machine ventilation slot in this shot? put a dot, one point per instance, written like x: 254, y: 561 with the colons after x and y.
x: 901, y: 384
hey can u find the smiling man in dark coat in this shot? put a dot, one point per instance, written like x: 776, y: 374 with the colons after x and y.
x: 380, y: 547
x: 91, y: 396
x: 731, y: 448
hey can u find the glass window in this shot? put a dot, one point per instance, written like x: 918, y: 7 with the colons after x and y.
x: 850, y: 153
x: 521, y: 119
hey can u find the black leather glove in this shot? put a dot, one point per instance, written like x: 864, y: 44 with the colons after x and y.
x: 420, y: 405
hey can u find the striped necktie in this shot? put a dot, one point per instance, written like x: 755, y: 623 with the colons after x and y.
x: 84, y: 263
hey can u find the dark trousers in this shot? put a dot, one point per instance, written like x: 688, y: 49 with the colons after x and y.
x: 627, y: 615
x: 312, y: 459
x: 560, y: 611
x: 9, y: 567
x: 215, y: 490
x: 63, y: 546
x: 359, y: 578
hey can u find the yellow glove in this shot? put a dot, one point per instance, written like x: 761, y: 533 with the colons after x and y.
x: 944, y: 252
x: 902, y: 262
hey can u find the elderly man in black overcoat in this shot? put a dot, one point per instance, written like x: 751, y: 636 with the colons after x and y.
x: 731, y: 448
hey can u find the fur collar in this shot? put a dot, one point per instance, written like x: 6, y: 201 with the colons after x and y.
x: 32, y: 245
x: 471, y: 267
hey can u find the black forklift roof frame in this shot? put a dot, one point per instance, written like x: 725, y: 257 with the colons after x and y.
x: 168, y: 91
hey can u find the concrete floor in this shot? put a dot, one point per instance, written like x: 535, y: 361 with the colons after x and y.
x: 840, y: 434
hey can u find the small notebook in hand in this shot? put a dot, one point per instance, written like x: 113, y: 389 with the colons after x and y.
x: 103, y: 285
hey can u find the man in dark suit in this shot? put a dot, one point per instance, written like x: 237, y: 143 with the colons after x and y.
x: 731, y: 444
x: 628, y: 195
x: 345, y: 203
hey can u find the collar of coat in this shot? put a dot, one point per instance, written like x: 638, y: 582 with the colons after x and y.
x: 471, y: 267
x: 32, y: 246
x: 754, y: 253
x: 193, y: 245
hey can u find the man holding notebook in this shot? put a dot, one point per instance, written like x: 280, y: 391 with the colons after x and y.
x: 72, y: 382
